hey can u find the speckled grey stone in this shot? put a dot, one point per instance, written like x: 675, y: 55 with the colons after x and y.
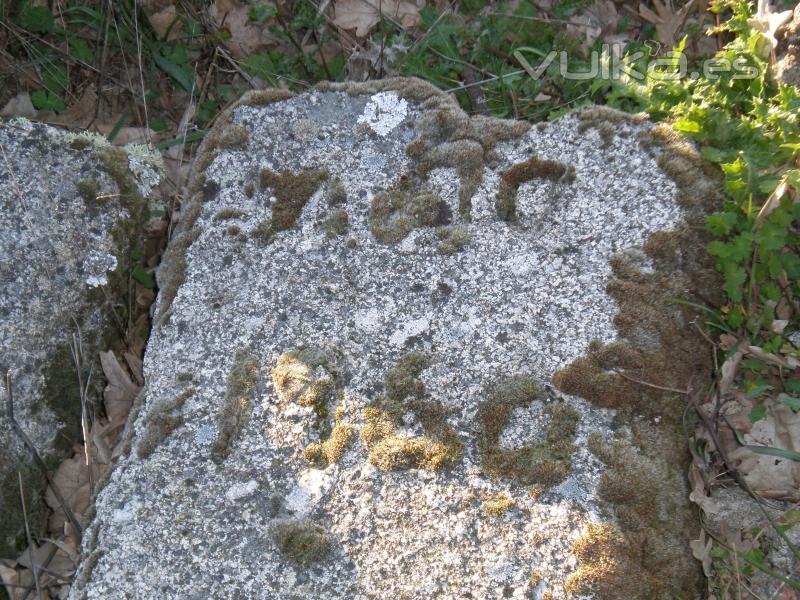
x: 519, y: 298
x: 57, y: 250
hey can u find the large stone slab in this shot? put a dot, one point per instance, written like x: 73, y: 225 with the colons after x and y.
x: 350, y: 388
x: 69, y: 205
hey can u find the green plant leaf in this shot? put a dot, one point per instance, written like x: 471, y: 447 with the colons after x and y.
x: 143, y: 277
x: 43, y: 100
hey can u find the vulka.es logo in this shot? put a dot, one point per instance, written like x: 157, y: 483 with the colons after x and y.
x: 610, y: 63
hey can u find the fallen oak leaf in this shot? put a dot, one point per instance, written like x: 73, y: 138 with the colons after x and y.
x: 667, y: 20
x: 120, y: 391
x: 363, y: 15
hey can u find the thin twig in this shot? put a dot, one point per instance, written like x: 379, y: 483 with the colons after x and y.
x: 652, y: 385
x: 35, y: 454
x: 29, y: 537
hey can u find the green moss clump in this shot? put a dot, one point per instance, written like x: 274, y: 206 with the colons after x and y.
x: 234, y: 137
x: 264, y: 97
x: 547, y: 463
x: 452, y: 238
x: 242, y: 380
x: 336, y: 224
x: 302, y: 541
x: 647, y: 496
x: 498, y: 505
x: 516, y: 175
x: 12, y: 526
x: 438, y: 448
x: 87, y: 188
x: 263, y: 232
x: 292, y: 192
x: 161, y: 422
x: 116, y: 164
x: 395, y: 213
x: 228, y: 213
x: 337, y: 193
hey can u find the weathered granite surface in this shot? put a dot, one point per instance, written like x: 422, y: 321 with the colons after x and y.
x: 284, y: 333
x: 67, y: 206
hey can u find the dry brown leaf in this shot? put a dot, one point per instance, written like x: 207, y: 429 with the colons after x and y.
x: 728, y: 372
x: 19, y: 106
x: 245, y: 38
x: 363, y: 15
x: 135, y: 366
x: 667, y: 20
x: 12, y: 577
x: 72, y: 480
x: 119, y: 392
x: 598, y: 20
x: 701, y: 550
x: 166, y: 22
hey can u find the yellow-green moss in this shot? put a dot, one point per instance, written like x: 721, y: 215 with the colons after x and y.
x: 161, y: 422
x: 330, y: 451
x: 395, y: 213
x: 296, y: 380
x: 292, y: 191
x: 242, y: 380
x: 302, y: 541
x: 438, y: 448
x: 498, y: 505
x: 336, y: 224
x: 547, y: 463
x: 535, y: 579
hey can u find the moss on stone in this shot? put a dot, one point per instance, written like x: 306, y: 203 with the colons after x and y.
x: 263, y: 232
x: 519, y: 173
x: 242, y: 380
x: 304, y: 377
x: 498, y: 505
x: 228, y: 213
x: 292, y: 192
x: 336, y: 223
x: 547, y: 463
x: 264, y: 97
x: 395, y: 213
x: 12, y: 526
x: 438, y: 448
x: 337, y: 193
x: 234, y: 137
x: 87, y: 188
x: 452, y: 238
x: 302, y: 541
x: 646, y: 555
x: 161, y: 422
x: 330, y: 451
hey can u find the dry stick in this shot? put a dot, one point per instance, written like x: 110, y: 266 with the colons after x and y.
x: 76, y: 349
x: 652, y: 385
x: 28, y: 536
x: 141, y: 77
x: 37, y: 459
